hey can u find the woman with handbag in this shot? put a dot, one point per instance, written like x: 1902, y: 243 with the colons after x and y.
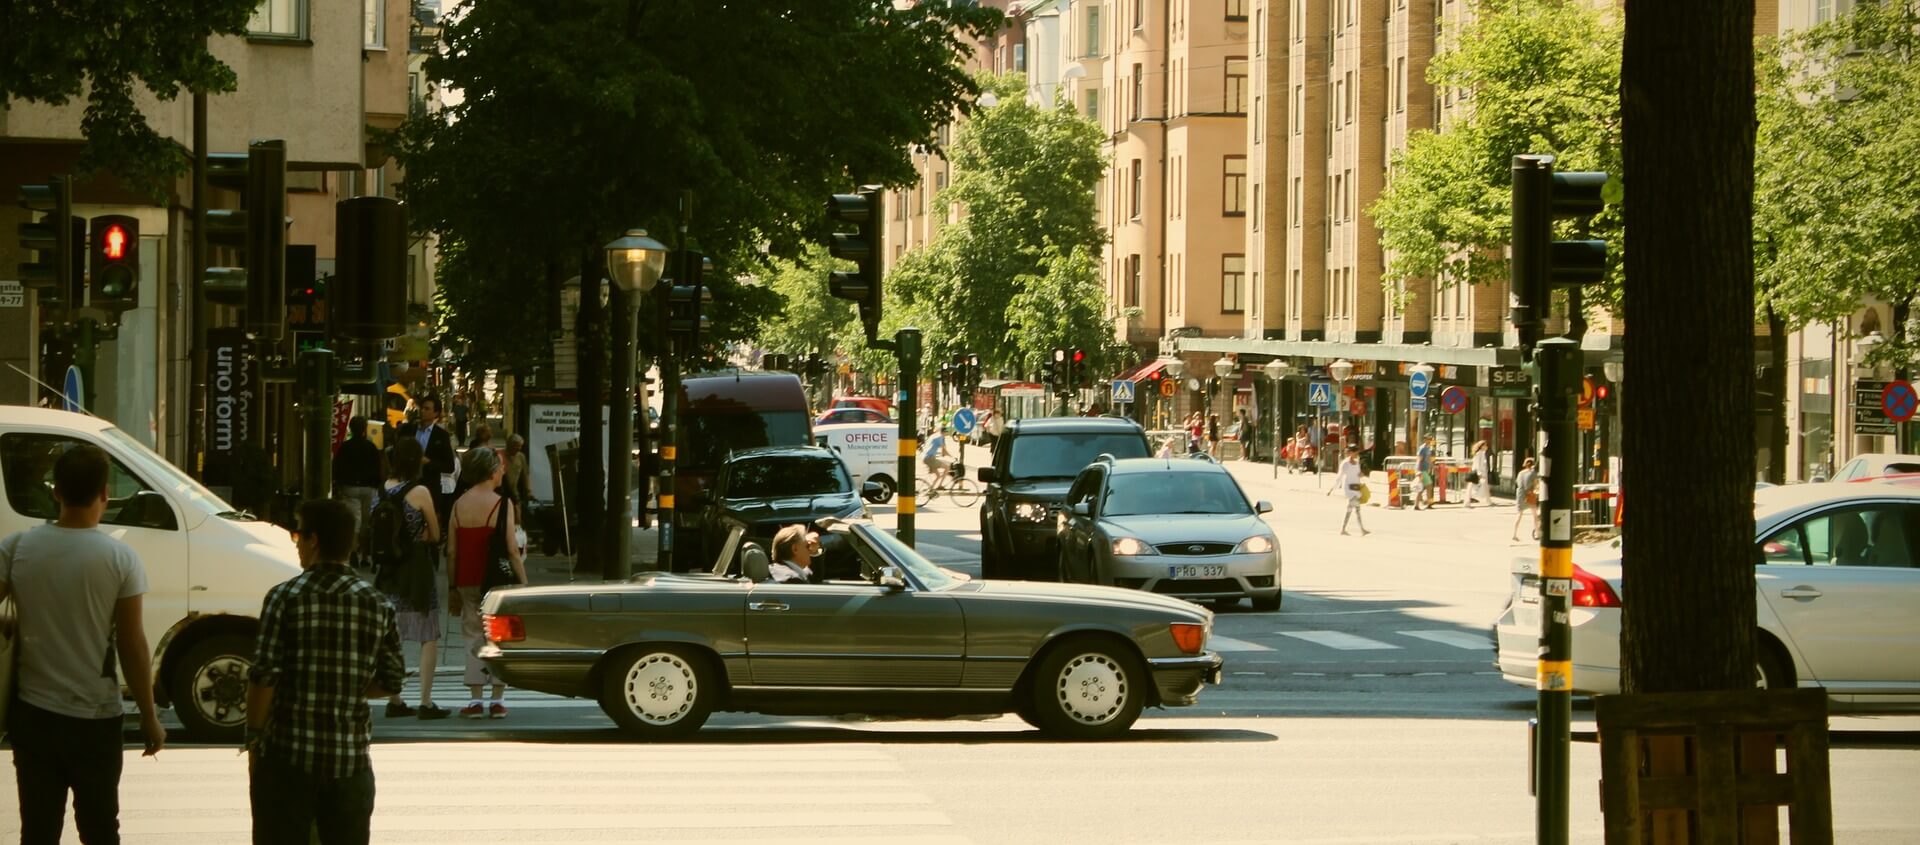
x: 1478, y: 486
x: 482, y: 558
x: 410, y: 581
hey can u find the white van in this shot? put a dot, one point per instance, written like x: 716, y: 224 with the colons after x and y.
x: 871, y: 452
x: 208, y: 567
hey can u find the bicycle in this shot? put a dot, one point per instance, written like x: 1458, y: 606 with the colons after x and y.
x: 965, y: 492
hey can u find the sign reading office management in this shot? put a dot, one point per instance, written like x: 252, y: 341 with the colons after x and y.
x: 232, y: 379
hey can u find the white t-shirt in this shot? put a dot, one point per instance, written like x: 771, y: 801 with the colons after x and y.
x: 65, y: 583
x: 1349, y: 477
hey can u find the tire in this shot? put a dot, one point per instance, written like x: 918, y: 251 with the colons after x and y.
x: 1088, y: 689
x: 1771, y: 670
x: 209, y: 688
x: 1225, y: 605
x: 965, y: 492
x: 1268, y: 605
x: 887, y: 489
x: 658, y: 692
x: 923, y: 487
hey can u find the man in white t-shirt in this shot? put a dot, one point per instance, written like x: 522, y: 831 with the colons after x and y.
x: 78, y: 593
x: 1351, y: 480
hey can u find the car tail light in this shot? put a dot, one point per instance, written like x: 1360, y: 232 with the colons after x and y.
x: 1189, y: 636
x: 1590, y: 590
x: 506, y: 629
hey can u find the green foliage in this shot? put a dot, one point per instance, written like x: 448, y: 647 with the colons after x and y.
x: 1543, y: 77
x: 468, y: 313
x: 53, y: 51
x: 1065, y: 307
x: 1834, y: 202
x: 808, y: 320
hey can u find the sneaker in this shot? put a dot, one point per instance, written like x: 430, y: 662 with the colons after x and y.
x: 473, y: 711
x: 429, y: 712
x: 497, y: 711
x: 398, y: 710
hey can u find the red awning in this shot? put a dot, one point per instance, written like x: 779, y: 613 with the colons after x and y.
x: 1143, y: 371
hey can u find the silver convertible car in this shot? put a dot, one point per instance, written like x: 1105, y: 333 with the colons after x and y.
x: 661, y: 652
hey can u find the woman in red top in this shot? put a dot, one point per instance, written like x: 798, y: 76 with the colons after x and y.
x: 476, y: 515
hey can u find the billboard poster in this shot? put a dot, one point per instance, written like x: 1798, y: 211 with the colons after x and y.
x: 233, y: 389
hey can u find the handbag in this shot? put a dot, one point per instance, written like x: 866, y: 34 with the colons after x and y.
x: 499, y: 571
x: 9, y: 657
x: 1473, y: 477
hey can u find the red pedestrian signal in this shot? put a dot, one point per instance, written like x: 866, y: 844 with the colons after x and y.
x: 114, y: 241
x: 114, y: 244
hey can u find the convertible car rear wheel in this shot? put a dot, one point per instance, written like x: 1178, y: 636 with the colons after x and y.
x: 658, y: 692
x: 1087, y: 690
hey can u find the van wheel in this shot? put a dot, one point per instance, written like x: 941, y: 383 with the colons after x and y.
x: 209, y: 688
x: 887, y: 489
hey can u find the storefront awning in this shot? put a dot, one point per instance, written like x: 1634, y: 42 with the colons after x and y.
x: 1143, y: 371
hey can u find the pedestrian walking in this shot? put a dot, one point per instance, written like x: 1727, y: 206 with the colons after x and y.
x: 409, y: 574
x: 440, y: 469
x: 1478, y: 487
x: 1354, y: 484
x: 476, y: 516
x: 356, y: 481
x: 327, y: 645
x: 1423, y: 469
x: 1526, y: 498
x: 78, y: 594
x: 1213, y: 435
x: 517, y: 486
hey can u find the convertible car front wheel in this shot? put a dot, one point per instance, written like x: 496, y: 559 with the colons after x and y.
x: 658, y: 692
x: 1087, y: 689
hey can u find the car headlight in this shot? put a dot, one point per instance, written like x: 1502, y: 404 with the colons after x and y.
x: 1031, y: 512
x: 1255, y: 545
x: 1130, y: 546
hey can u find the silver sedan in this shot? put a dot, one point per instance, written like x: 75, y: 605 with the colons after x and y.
x: 1180, y: 527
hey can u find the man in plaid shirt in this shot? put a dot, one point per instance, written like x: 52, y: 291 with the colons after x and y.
x: 327, y: 645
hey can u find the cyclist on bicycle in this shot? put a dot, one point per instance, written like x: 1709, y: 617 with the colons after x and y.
x: 934, y: 456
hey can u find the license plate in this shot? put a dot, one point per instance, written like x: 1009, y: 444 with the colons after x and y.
x: 1197, y: 570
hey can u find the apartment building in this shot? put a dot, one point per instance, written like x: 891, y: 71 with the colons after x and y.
x: 317, y: 75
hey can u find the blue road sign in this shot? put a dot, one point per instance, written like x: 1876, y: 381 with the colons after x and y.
x: 964, y: 421
x: 1418, y: 403
x: 72, y: 397
x: 1122, y: 391
x: 1417, y: 385
x: 1320, y: 393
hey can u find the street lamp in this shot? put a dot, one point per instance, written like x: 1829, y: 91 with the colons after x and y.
x: 1276, y: 370
x: 635, y: 262
x: 1615, y: 370
x: 1341, y: 370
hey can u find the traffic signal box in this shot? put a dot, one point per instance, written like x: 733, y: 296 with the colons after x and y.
x: 57, y: 241
x: 1540, y: 263
x: 113, y: 246
x: 687, y: 300
x: 257, y: 234
x: 863, y: 247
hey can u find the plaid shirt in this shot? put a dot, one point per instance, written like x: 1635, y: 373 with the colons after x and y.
x: 325, y: 636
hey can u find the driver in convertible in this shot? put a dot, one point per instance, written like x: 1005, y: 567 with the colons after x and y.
x: 794, y: 549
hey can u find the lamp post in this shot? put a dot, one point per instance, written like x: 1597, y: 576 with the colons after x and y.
x: 1341, y: 370
x: 635, y: 262
x: 1222, y: 369
x: 1175, y: 369
x: 1276, y: 370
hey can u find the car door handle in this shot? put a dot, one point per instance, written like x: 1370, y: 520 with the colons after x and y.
x: 1800, y: 593
x: 767, y: 605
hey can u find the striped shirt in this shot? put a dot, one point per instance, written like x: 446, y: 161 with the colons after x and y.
x: 325, y: 637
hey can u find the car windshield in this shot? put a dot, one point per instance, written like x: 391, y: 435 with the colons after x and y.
x: 709, y: 437
x: 929, y: 575
x: 785, y: 475
x: 1133, y: 494
x: 167, y: 476
x: 1063, y: 454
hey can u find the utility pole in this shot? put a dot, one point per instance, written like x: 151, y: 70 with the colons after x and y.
x: 670, y: 386
x: 906, y: 344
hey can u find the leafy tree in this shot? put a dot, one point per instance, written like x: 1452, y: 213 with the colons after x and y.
x: 809, y: 320
x: 1543, y: 78
x: 1065, y: 307
x: 53, y: 51
x: 467, y: 313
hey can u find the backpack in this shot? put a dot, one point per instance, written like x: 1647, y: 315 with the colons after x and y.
x: 388, y: 536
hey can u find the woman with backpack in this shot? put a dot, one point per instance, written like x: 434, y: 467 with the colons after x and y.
x: 479, y: 538
x: 403, y: 553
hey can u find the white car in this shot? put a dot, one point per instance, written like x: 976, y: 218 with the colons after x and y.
x: 1876, y: 465
x: 1838, y: 584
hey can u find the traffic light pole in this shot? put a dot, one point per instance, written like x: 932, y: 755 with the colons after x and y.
x: 670, y: 387
x: 906, y: 344
x: 1558, y: 360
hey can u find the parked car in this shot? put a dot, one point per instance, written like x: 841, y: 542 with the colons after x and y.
x: 871, y: 452
x: 1836, y: 588
x: 725, y: 411
x: 1175, y: 526
x: 662, y: 652
x: 762, y: 490
x: 838, y: 416
x: 208, y: 566
x: 1877, y: 465
x: 1034, y: 462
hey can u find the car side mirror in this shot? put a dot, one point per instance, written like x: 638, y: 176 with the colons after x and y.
x: 1082, y: 509
x: 890, y: 578
x: 1263, y: 506
x: 988, y: 475
x: 872, y: 489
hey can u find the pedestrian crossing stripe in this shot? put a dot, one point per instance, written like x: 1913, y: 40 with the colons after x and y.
x: 1338, y: 640
x: 1457, y: 639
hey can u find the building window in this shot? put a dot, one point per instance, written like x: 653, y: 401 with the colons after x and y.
x: 1259, y: 31
x: 375, y: 27
x: 1822, y: 11
x: 1139, y: 15
x: 1339, y: 97
x: 1139, y: 90
x: 1298, y: 18
x: 1346, y: 204
x: 1236, y: 85
x: 1256, y: 207
x: 1400, y: 84
x: 1093, y: 104
x: 1259, y: 128
x: 1133, y: 280
x: 1294, y: 210
x: 1233, y: 284
x: 1299, y: 106
x: 1092, y: 34
x: 1139, y: 184
x: 1019, y: 58
x: 1233, y: 186
x: 1294, y: 294
x: 1348, y: 105
x: 899, y: 205
x: 279, y: 19
x: 1236, y: 10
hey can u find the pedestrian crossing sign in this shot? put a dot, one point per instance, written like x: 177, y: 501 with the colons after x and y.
x: 1320, y: 393
x: 1122, y: 391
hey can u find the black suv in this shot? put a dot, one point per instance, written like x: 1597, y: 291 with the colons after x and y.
x: 760, y: 490
x: 1034, y: 462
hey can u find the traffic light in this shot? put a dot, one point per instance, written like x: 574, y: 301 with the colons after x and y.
x: 113, y: 246
x: 685, y: 307
x: 1541, y: 263
x: 974, y: 375
x: 863, y: 247
x: 52, y: 236
x: 259, y: 230
x: 1077, y: 367
x: 368, y: 294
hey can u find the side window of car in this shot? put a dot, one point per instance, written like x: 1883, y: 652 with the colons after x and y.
x: 1786, y: 547
x: 1868, y: 535
x: 26, y: 464
x: 1085, y: 487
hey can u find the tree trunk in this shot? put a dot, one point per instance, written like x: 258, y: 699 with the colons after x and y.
x: 1688, y: 122
x: 588, y: 494
x: 1777, y: 386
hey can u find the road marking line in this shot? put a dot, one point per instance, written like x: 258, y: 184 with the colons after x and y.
x: 1338, y: 640
x: 1368, y: 675
x: 1489, y: 673
x: 1221, y: 643
x: 1429, y: 674
x: 1311, y: 674
x: 1263, y: 674
x: 1457, y: 639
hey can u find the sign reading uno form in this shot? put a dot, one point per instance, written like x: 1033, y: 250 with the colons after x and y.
x: 1869, y: 416
x: 232, y: 376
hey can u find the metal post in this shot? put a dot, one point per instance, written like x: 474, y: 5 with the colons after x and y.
x: 670, y: 389
x: 1274, y: 445
x: 907, y: 346
x: 616, y: 565
x: 1559, y: 364
x: 196, y: 280
x: 84, y: 354
x: 316, y: 388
